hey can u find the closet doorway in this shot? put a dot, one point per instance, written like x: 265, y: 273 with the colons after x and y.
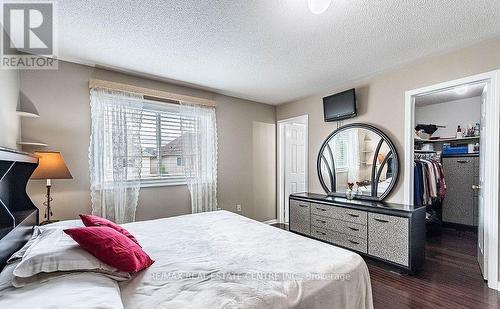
x: 451, y: 162
x: 293, y: 162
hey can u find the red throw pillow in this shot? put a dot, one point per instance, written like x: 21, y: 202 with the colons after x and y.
x: 91, y: 220
x: 111, y: 247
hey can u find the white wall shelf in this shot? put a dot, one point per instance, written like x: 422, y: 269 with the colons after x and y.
x: 26, y: 108
x: 32, y: 143
x: 27, y: 114
x: 444, y: 140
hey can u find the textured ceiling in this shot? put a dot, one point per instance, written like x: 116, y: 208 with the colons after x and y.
x: 271, y: 51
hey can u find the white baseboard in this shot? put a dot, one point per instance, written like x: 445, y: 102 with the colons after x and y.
x: 273, y: 221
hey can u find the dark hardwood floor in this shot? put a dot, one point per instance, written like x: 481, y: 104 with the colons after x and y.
x: 281, y: 226
x: 451, y: 277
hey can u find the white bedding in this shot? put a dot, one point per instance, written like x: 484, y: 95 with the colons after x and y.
x: 217, y: 244
x: 52, y: 251
x: 71, y: 291
x: 213, y: 260
x: 382, y: 187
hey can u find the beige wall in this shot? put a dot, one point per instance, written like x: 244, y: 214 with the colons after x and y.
x: 381, y: 98
x: 247, y: 162
x: 62, y: 98
x: 9, y: 121
x: 450, y: 114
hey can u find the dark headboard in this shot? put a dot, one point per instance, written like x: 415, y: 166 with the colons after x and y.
x: 18, y: 214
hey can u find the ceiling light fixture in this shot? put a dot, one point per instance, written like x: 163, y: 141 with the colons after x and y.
x: 318, y: 6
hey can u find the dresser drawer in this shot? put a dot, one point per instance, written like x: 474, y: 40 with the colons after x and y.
x: 349, y: 228
x: 388, y: 238
x: 300, y: 217
x: 346, y: 214
x: 355, y: 243
x: 348, y: 241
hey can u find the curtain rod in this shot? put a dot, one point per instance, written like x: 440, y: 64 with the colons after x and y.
x: 151, y: 94
x: 163, y: 100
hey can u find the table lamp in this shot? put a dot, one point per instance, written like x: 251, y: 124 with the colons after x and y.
x: 51, y: 165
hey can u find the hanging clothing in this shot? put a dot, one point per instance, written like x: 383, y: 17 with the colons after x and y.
x: 441, y: 181
x: 429, y: 182
x: 431, y: 179
x: 425, y: 196
x: 417, y: 176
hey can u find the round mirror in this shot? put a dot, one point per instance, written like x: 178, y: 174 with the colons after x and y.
x: 361, y: 156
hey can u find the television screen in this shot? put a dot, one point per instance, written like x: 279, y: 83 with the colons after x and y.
x: 340, y: 106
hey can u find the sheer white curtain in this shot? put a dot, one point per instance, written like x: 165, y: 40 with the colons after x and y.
x: 115, y: 154
x: 199, y: 135
x: 353, y: 156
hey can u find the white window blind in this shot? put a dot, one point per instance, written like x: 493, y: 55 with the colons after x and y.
x: 341, y: 150
x: 161, y: 143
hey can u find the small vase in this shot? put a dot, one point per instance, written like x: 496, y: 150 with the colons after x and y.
x: 349, y: 194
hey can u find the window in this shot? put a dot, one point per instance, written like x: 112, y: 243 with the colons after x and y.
x: 161, y: 143
x: 340, y: 151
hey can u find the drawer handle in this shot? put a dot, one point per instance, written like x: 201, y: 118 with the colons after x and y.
x: 380, y: 220
x: 321, y: 233
x: 463, y: 161
x: 322, y: 209
x: 353, y: 228
x: 302, y: 205
x: 321, y: 221
x: 353, y: 215
x: 353, y: 242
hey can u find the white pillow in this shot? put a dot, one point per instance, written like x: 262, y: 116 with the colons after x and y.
x: 65, y: 223
x: 6, y: 276
x: 54, y: 251
x: 20, y: 253
x: 36, y: 232
x: 74, y: 290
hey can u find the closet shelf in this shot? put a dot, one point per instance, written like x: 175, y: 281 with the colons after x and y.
x: 443, y: 140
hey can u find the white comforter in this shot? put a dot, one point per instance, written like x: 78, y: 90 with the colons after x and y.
x: 213, y: 260
x: 227, y: 255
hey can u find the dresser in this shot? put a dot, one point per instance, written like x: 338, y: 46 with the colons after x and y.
x: 391, y: 233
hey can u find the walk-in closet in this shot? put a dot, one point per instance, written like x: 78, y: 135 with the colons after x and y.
x: 447, y: 146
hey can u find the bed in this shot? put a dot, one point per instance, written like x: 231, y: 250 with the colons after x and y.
x: 381, y: 187
x: 210, y: 260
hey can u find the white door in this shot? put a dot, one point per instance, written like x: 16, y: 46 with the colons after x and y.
x: 481, y: 254
x: 295, y: 161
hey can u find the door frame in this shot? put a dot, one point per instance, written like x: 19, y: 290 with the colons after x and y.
x: 280, y: 198
x: 491, y: 155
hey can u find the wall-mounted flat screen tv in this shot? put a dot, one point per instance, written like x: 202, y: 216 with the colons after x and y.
x: 340, y: 106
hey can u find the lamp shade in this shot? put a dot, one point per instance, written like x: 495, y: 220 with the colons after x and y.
x: 51, y: 165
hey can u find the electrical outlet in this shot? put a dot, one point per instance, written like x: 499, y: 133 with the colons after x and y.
x: 238, y: 208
